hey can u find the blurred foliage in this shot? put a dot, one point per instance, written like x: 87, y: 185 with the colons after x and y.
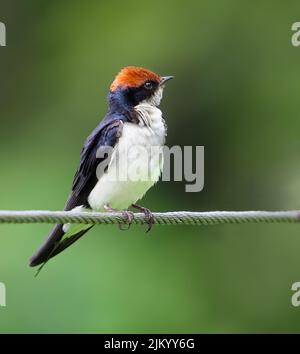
x: 236, y: 92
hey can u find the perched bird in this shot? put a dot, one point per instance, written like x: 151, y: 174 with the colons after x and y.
x: 133, y: 120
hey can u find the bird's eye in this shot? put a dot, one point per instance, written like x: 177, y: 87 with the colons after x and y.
x: 148, y: 85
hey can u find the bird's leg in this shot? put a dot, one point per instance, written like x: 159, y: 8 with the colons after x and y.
x: 127, y: 215
x: 149, y: 218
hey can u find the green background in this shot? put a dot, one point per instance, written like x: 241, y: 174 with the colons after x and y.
x: 236, y: 92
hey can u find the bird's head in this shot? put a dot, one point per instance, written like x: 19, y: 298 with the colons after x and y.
x: 138, y: 85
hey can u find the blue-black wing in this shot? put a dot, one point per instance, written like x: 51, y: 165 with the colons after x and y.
x: 106, y: 134
x: 85, y: 177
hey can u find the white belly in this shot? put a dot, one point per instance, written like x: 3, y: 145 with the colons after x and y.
x: 135, y: 166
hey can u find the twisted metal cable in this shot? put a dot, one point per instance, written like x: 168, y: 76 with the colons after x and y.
x: 167, y: 218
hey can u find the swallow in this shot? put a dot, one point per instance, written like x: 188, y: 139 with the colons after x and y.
x: 132, y: 128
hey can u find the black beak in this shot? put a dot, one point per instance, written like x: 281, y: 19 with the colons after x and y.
x: 164, y: 79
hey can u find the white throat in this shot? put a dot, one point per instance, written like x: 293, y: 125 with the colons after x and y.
x: 156, y: 98
x: 148, y: 112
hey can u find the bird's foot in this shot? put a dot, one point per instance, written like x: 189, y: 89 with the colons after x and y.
x: 149, y: 217
x: 127, y: 215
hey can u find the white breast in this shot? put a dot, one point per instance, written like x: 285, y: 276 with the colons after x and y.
x: 136, y: 163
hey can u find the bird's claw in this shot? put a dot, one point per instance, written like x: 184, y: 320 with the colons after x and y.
x: 128, y: 218
x: 127, y: 215
x: 149, y: 217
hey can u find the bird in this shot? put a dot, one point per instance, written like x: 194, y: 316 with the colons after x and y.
x: 129, y: 138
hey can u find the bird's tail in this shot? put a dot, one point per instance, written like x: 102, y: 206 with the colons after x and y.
x: 57, y: 241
